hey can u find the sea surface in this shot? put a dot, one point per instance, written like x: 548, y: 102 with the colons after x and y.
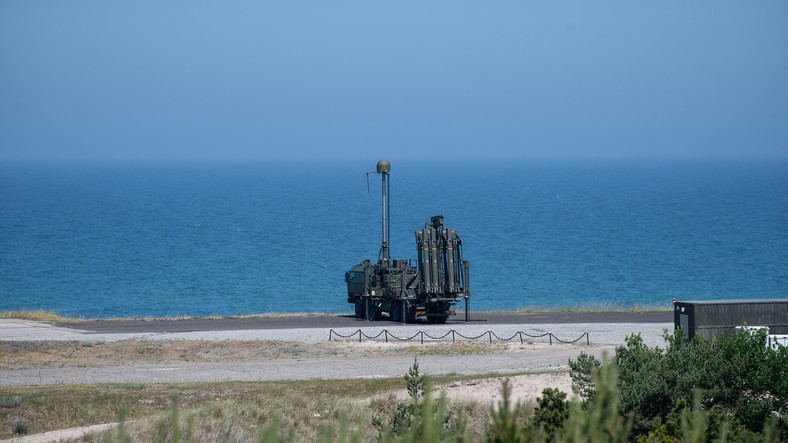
x: 170, y: 239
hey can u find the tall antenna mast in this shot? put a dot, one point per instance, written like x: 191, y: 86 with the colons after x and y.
x: 384, y: 167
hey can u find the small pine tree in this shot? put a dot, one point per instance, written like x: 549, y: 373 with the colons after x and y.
x: 582, y: 373
x: 420, y: 419
x: 551, y: 412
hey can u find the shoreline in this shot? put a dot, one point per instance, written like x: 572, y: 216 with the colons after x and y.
x: 58, y: 319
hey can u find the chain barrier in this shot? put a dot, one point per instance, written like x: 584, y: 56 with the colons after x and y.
x: 454, y: 336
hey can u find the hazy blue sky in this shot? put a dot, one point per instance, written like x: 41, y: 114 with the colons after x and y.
x: 186, y: 79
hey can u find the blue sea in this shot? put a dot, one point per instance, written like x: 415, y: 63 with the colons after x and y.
x: 168, y: 239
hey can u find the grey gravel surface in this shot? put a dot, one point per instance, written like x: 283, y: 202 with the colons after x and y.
x: 542, y: 358
x: 598, y: 333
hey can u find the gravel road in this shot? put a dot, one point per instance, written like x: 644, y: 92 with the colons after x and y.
x: 544, y: 358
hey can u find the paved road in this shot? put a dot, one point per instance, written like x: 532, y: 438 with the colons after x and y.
x: 346, y: 321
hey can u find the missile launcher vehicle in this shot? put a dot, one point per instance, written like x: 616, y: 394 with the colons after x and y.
x: 406, y: 291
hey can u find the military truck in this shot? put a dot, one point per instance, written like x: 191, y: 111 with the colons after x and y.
x: 406, y: 290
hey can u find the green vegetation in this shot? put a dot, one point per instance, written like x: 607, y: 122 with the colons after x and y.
x: 733, y: 388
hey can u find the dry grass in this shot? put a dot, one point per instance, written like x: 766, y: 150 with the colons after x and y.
x: 305, y: 408
x: 63, y: 354
x: 58, y: 407
x: 605, y: 307
x: 38, y: 315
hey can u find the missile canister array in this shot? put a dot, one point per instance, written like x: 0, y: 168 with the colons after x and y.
x: 404, y: 291
x: 440, y: 263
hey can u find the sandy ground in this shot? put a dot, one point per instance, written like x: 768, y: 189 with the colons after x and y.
x: 528, y: 386
x: 70, y: 434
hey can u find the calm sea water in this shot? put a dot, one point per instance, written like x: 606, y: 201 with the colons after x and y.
x: 142, y: 239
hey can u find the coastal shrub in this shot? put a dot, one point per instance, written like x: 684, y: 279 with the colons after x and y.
x: 582, y: 374
x: 601, y: 420
x: 742, y: 385
x: 20, y: 427
x: 737, y: 376
x: 10, y: 402
x: 685, y: 424
x: 552, y: 410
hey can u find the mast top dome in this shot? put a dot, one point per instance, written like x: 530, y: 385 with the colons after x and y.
x: 384, y: 166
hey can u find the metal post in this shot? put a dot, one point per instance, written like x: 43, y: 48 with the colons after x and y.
x: 330, y: 331
x: 587, y: 339
x: 467, y: 313
x: 386, y: 335
x: 359, y: 335
x: 385, y: 219
x: 489, y: 333
x: 452, y: 335
x: 422, y: 337
x: 383, y: 168
x: 520, y: 333
x: 550, y: 335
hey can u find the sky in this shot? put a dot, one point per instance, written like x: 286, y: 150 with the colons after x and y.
x: 406, y: 79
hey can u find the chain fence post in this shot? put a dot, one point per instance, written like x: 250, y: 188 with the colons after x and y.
x: 422, y: 336
x: 520, y: 333
x: 330, y: 331
x: 452, y: 335
x: 359, y: 335
x: 386, y: 335
x: 550, y: 335
x: 489, y: 334
x: 588, y: 341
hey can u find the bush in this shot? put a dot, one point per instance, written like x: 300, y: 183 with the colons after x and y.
x: 10, y: 402
x: 20, y: 427
x: 738, y: 376
x: 551, y: 412
x: 742, y: 386
x: 582, y: 373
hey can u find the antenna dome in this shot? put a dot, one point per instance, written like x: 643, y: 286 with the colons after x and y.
x: 384, y: 166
